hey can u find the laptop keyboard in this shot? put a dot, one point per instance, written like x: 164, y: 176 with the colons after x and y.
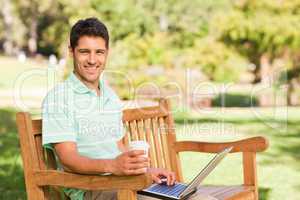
x: 174, y: 190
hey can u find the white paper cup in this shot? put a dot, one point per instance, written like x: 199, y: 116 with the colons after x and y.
x: 139, y: 145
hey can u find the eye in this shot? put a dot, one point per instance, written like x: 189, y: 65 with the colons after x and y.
x: 100, y: 51
x: 84, y: 52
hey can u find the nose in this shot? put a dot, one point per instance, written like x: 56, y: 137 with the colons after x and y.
x: 92, y: 59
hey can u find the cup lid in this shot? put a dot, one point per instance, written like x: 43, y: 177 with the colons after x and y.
x: 139, y: 143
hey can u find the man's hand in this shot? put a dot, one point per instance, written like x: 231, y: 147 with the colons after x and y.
x: 130, y: 163
x: 158, y: 174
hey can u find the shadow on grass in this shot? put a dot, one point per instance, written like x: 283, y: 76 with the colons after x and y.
x: 9, y: 146
x: 189, y: 120
x: 264, y: 193
x: 293, y: 151
x: 291, y: 148
x: 288, y: 147
x: 8, y: 122
x: 12, y: 184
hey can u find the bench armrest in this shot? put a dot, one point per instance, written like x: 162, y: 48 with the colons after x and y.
x: 91, y: 182
x: 254, y: 144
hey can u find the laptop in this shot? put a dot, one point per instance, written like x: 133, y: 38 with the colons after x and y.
x: 181, y: 191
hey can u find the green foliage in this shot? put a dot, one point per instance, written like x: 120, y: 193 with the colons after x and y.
x: 291, y: 6
x: 188, y: 21
x: 234, y: 100
x: 261, y: 31
x: 259, y: 27
x: 123, y: 17
x: 15, y: 31
x: 54, y: 36
x: 148, y: 50
x: 219, y: 37
x: 216, y: 60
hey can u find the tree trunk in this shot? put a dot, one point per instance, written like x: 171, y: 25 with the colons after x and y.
x: 265, y: 76
x: 32, y: 42
x: 290, y: 91
x: 255, y: 59
x: 265, y: 69
x: 293, y: 92
x: 8, y: 24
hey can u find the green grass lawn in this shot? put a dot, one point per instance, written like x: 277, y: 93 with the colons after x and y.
x: 278, y: 167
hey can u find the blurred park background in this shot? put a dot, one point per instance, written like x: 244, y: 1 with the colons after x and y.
x: 230, y: 67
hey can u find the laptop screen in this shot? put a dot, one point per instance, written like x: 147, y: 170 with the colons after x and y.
x: 192, y: 186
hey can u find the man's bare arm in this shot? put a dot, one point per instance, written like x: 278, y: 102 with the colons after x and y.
x: 127, y: 163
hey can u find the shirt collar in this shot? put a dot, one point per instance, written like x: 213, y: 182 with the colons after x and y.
x: 81, y: 88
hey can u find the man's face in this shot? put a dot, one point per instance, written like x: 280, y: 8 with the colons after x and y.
x: 89, y: 57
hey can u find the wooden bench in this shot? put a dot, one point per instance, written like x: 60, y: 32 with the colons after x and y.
x: 153, y: 124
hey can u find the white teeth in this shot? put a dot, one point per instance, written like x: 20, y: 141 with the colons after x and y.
x: 91, y: 67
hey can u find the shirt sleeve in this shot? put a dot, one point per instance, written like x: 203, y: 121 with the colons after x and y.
x: 57, y: 120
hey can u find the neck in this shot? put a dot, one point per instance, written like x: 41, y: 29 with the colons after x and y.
x: 91, y: 85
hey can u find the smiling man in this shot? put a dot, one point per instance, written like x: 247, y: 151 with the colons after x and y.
x: 82, y: 117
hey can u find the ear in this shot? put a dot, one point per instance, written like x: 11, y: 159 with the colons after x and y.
x: 71, y: 52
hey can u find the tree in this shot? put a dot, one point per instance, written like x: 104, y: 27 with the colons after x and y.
x: 11, y: 28
x: 6, y: 11
x: 261, y: 30
x: 32, y: 13
x: 219, y: 62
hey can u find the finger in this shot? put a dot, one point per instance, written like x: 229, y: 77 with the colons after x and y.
x: 168, y: 176
x: 156, y: 179
x: 173, y: 178
x: 163, y: 173
x: 138, y: 159
x: 136, y: 171
x: 134, y: 153
x: 133, y: 166
x: 169, y: 179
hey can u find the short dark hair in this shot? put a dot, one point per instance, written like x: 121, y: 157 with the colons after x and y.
x: 88, y: 27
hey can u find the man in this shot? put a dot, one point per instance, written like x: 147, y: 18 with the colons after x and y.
x: 82, y: 117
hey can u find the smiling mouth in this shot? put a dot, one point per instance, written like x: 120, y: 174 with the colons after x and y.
x: 94, y: 66
x: 91, y: 69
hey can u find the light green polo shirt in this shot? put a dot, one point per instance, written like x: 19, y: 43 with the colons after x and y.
x: 73, y: 112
